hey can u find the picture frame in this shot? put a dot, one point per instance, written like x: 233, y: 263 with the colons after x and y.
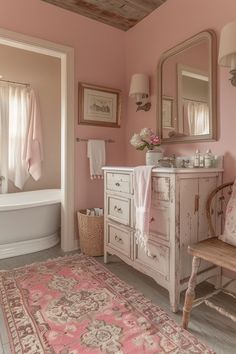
x: 99, y: 105
x: 167, y: 112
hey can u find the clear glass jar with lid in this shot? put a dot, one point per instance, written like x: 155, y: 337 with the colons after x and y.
x: 208, y: 159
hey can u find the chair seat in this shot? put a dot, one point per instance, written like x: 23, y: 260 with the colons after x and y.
x: 215, y: 251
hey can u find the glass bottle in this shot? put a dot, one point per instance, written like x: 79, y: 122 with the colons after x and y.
x: 197, y: 158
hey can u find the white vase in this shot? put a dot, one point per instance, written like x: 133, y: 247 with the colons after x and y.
x: 153, y: 156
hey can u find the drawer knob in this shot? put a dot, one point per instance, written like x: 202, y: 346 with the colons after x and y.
x: 117, y: 184
x: 152, y: 219
x: 118, y: 239
x: 118, y: 209
x: 153, y: 256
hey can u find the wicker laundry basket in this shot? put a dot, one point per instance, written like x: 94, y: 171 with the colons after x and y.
x: 91, y: 233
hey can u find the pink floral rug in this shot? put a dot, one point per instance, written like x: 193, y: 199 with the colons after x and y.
x: 74, y: 305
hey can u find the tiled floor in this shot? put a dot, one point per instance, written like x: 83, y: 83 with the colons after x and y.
x: 209, y: 326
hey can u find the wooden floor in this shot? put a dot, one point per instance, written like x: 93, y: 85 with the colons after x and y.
x: 210, y: 327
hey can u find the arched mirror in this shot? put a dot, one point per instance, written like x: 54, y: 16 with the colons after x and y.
x: 187, y: 91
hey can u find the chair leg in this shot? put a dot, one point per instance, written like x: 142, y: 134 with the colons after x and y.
x: 190, y: 293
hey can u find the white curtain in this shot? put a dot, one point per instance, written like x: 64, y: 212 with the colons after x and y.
x: 14, y: 130
x: 4, y: 128
x: 18, y: 128
x: 198, y: 118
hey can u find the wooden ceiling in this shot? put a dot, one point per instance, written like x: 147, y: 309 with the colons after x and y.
x: 122, y: 14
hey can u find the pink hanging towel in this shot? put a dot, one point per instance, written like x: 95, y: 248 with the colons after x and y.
x: 34, y: 142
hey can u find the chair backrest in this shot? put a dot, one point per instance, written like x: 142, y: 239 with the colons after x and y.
x: 216, y: 205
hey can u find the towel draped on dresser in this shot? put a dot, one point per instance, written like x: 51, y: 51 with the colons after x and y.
x: 142, y: 201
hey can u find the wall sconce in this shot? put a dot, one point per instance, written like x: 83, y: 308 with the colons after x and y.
x: 227, y: 51
x: 139, y: 89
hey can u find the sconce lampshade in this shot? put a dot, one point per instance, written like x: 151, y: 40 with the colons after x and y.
x: 227, y: 50
x: 139, y: 87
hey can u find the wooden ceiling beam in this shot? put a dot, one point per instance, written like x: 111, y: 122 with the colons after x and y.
x: 122, y: 14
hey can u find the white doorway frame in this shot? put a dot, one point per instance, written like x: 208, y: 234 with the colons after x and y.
x: 66, y: 55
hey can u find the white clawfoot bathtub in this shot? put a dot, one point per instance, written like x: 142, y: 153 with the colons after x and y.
x: 29, y: 221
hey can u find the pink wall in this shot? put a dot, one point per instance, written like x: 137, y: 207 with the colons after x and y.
x: 106, y: 56
x: 169, y: 25
x: 99, y: 59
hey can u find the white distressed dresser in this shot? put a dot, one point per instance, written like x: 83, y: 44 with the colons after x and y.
x: 178, y: 218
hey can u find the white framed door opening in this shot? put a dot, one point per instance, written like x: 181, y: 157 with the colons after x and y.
x: 66, y: 56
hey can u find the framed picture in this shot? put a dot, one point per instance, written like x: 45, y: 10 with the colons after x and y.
x: 167, y: 112
x: 99, y: 105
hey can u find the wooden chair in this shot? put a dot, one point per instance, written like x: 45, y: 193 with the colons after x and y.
x: 212, y: 250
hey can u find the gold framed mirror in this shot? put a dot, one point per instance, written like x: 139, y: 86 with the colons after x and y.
x: 187, y: 91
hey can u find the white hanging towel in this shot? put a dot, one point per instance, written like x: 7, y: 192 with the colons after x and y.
x: 34, y: 141
x: 97, y: 157
x: 142, y: 202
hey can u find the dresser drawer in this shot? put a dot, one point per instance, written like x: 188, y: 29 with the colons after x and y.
x: 158, y: 261
x: 119, y: 239
x: 160, y: 188
x: 118, y: 209
x: 118, y: 182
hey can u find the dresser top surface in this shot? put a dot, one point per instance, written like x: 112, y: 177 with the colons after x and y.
x: 172, y: 170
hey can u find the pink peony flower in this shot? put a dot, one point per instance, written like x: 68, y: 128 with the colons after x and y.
x: 155, y: 140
